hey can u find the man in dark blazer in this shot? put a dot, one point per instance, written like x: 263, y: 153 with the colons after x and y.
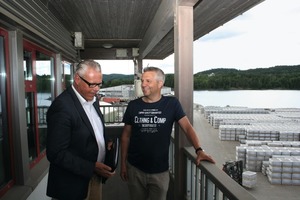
x: 76, y: 139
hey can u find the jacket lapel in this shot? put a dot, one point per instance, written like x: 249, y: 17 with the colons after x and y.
x: 97, y: 107
x: 81, y: 111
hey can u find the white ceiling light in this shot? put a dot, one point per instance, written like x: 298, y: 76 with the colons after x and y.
x: 107, y: 46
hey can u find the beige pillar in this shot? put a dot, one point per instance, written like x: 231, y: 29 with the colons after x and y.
x: 183, y: 48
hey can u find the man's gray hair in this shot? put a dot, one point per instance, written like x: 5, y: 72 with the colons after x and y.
x: 85, y: 64
x: 160, y: 75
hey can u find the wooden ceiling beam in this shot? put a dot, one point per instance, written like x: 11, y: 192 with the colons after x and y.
x: 160, y: 26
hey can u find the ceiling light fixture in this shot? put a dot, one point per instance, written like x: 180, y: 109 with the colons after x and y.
x: 107, y: 46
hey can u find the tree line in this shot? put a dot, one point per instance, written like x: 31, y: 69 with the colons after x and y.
x: 278, y: 77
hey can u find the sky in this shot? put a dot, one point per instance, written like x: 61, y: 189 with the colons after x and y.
x: 265, y: 36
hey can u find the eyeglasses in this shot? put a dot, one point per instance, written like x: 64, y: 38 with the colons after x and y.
x: 91, y: 85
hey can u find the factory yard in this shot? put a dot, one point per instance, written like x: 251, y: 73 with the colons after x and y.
x: 266, y: 140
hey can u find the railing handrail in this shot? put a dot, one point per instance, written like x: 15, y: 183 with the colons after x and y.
x: 230, y: 188
x: 113, y: 113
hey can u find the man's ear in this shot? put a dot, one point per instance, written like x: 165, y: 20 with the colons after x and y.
x: 76, y: 78
x: 161, y: 84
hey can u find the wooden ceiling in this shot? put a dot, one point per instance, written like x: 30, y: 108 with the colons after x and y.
x: 125, y: 24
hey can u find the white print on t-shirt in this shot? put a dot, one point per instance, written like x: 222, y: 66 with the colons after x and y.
x: 149, y: 121
x: 150, y: 112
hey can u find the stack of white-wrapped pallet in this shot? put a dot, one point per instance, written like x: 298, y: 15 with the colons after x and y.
x: 232, y: 132
x: 279, y: 160
x: 284, y: 170
x: 249, y: 179
x: 253, y: 156
x: 264, y: 168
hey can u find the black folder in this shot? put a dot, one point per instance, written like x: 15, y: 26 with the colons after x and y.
x: 112, y: 155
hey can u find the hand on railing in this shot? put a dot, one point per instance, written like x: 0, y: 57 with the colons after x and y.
x: 202, y: 155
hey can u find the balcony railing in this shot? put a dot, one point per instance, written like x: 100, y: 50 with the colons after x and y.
x: 113, y: 114
x: 207, y: 181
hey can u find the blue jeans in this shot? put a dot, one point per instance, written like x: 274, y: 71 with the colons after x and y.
x: 144, y: 186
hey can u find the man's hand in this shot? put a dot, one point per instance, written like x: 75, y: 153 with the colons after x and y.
x: 202, y: 155
x: 123, y: 172
x: 103, y: 170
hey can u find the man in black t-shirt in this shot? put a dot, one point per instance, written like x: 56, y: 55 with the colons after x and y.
x: 146, y: 138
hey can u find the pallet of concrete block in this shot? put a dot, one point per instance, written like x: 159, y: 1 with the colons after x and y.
x: 208, y: 110
x: 295, y: 144
x: 289, y: 135
x: 227, y: 132
x: 249, y: 179
x: 240, y: 153
x: 284, y: 170
x: 258, y: 132
x: 253, y: 156
x: 264, y: 168
x: 235, y: 122
x: 256, y: 142
x: 231, y: 132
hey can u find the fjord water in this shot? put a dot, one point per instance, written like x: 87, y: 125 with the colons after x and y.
x: 249, y: 98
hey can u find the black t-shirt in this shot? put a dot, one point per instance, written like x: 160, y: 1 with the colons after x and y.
x: 152, y: 125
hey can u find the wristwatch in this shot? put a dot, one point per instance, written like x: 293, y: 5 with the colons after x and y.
x: 198, y: 149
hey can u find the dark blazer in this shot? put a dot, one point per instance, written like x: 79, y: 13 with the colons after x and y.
x: 71, y: 147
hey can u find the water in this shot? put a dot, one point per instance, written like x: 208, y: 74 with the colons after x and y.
x: 249, y: 98
x: 246, y: 98
x: 44, y: 99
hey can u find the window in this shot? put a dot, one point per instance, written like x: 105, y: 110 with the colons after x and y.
x: 44, y: 66
x: 39, y: 89
x: 6, y: 178
x: 67, y: 74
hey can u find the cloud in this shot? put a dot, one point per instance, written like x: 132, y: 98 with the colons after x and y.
x: 268, y: 36
x: 117, y: 66
x: 219, y: 35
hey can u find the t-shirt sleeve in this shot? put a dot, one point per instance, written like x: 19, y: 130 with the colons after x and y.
x: 127, y: 117
x: 179, y: 110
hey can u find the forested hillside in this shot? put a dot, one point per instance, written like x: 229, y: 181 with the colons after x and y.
x: 278, y: 77
x: 116, y: 79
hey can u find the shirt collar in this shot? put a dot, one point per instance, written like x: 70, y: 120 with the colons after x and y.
x: 81, y: 99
